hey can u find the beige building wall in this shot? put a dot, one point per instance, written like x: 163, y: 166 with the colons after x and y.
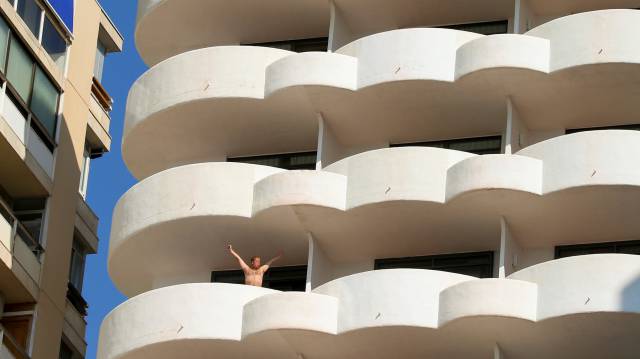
x: 54, y: 317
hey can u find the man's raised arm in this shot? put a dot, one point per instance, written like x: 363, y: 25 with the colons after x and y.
x: 270, y: 262
x: 241, y: 262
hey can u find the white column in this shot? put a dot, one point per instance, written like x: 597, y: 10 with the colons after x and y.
x: 524, y: 19
x: 516, y: 131
x: 497, y: 352
x: 509, y: 250
x: 329, y: 148
x: 319, y: 267
x: 339, y: 32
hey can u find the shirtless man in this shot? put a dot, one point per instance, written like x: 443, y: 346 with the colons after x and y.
x: 253, y: 274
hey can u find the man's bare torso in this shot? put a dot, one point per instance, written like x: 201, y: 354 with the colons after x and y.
x: 254, y: 277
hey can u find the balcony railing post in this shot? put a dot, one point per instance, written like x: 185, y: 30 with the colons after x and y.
x: 14, y: 233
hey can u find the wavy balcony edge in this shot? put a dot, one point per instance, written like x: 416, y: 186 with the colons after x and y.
x: 274, y: 96
x: 389, y: 301
x: 213, y: 204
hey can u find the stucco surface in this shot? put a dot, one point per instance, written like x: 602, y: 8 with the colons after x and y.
x: 583, y: 187
x: 392, y: 87
x: 370, y: 311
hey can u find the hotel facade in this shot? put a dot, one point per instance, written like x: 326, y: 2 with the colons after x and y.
x: 54, y: 121
x: 447, y: 179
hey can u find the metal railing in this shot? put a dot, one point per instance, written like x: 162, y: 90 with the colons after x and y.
x: 18, y: 230
x: 103, y: 97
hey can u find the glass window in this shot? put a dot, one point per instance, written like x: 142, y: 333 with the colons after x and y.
x: 76, y: 270
x: 44, y: 102
x: 635, y: 127
x: 31, y: 13
x: 20, y: 69
x: 627, y: 247
x: 30, y: 213
x: 479, y: 265
x: 303, y: 45
x: 484, y: 28
x: 479, y: 146
x: 286, y: 279
x: 54, y: 43
x: 287, y: 161
x: 98, y: 67
x: 4, y: 43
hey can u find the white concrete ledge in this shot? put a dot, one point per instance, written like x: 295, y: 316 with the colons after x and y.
x: 369, y: 310
x: 397, y: 86
x: 489, y: 297
x: 595, y: 37
x: 312, y: 69
x: 166, y: 28
x: 366, y: 300
x: 503, y: 51
x: 594, y: 158
x: 178, y: 315
x: 585, y: 284
x: 517, y: 173
x: 291, y: 311
x: 311, y: 188
x: 585, y: 187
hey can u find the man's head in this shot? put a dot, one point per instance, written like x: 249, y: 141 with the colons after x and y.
x: 255, y: 262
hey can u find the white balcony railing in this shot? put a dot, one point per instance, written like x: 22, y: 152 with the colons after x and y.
x: 24, y: 249
x: 21, y: 126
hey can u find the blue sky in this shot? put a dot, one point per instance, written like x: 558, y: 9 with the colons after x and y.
x: 109, y: 178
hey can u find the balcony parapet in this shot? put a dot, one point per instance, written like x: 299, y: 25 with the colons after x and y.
x: 431, y: 312
x: 584, y: 187
x: 237, y: 101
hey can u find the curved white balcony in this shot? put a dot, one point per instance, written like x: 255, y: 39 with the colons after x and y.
x: 181, y: 220
x: 166, y: 28
x: 209, y: 104
x: 169, y: 27
x: 395, y: 87
x: 433, y: 314
x: 584, y: 187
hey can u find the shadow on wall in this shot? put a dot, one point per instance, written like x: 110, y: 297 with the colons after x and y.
x: 60, y: 233
x: 631, y: 296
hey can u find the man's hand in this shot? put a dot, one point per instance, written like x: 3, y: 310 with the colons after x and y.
x: 229, y: 247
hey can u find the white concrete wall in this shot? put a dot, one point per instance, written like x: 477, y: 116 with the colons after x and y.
x: 516, y: 133
x: 510, y: 251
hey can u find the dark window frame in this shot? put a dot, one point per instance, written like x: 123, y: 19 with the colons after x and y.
x: 615, y: 247
x: 446, y: 144
x: 460, y: 27
x: 295, y: 44
x: 632, y: 127
x: 74, y: 296
x: 275, y: 275
x: 280, y: 156
x: 409, y: 262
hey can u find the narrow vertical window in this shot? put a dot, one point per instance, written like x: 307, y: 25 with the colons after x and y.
x: 44, y: 102
x: 31, y: 14
x: 98, y: 68
x: 4, y: 43
x: 20, y: 70
x: 76, y: 270
x: 54, y: 43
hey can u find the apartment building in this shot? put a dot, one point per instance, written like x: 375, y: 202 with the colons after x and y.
x: 54, y: 120
x: 447, y: 179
